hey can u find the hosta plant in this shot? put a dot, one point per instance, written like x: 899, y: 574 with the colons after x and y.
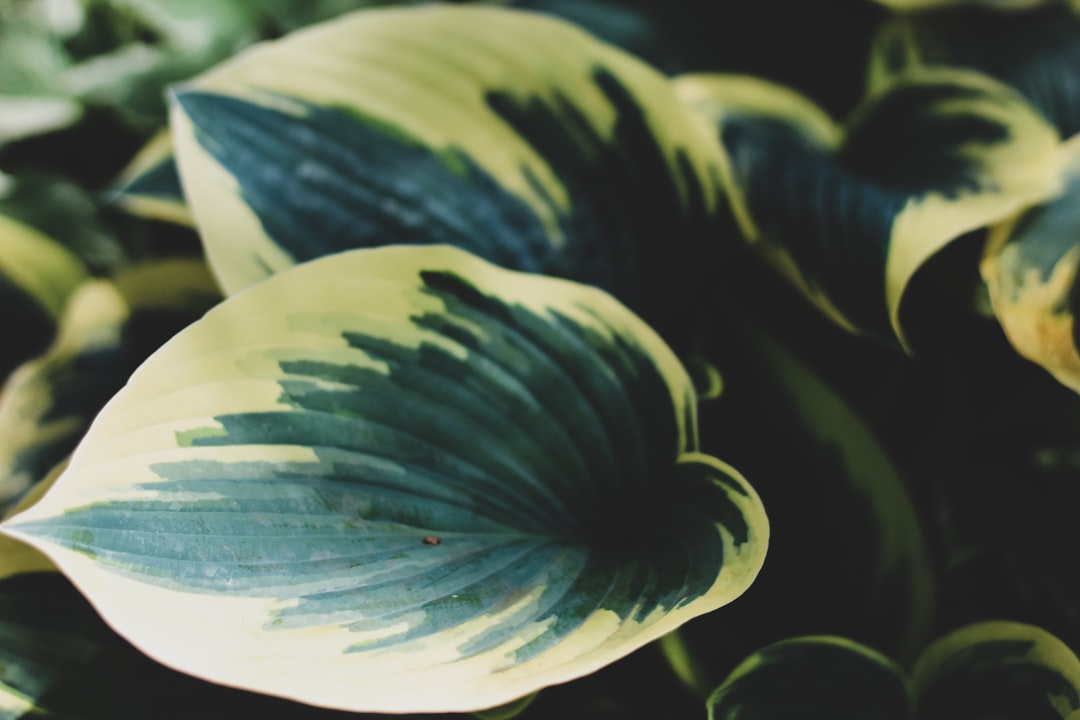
x: 486, y: 300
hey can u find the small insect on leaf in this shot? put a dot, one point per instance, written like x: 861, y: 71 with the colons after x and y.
x: 432, y: 540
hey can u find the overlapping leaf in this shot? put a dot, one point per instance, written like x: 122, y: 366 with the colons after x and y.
x: 513, y: 135
x: 150, y: 186
x: 37, y: 275
x: 1000, y: 670
x: 60, y: 661
x: 780, y: 40
x: 850, y: 215
x: 110, y: 327
x: 402, y: 479
x: 847, y: 553
x: 1030, y: 269
x: 813, y: 678
x: 1036, y: 51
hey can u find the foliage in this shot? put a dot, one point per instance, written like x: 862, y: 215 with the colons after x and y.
x: 539, y: 359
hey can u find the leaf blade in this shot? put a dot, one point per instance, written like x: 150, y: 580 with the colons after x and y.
x: 403, y: 540
x: 512, y: 135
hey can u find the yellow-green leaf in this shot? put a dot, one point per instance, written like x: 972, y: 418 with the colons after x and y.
x: 1003, y: 670
x: 37, y: 275
x: 402, y: 479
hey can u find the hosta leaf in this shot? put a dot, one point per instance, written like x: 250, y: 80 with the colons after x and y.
x: 37, y: 275
x: 867, y: 574
x: 813, y: 678
x: 1036, y: 51
x: 18, y: 558
x: 150, y: 186
x: 109, y: 328
x: 402, y: 480
x: 1030, y: 270
x: 35, y: 649
x: 510, y: 134
x: 58, y: 659
x: 1001, y: 670
x: 851, y: 214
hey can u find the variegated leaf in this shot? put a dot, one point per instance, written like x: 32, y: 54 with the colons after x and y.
x: 813, y: 678
x: 1030, y: 268
x: 1001, y: 670
x: 109, y: 328
x: 60, y: 661
x: 37, y: 275
x: 824, y: 473
x: 513, y: 135
x: 150, y: 185
x: 851, y: 214
x: 18, y: 558
x: 399, y: 480
x: 1036, y: 51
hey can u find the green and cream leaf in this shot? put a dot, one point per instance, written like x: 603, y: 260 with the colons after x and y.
x: 510, y: 134
x: 1030, y: 268
x: 402, y: 480
x: 150, y: 185
x: 1036, y: 51
x: 851, y: 214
